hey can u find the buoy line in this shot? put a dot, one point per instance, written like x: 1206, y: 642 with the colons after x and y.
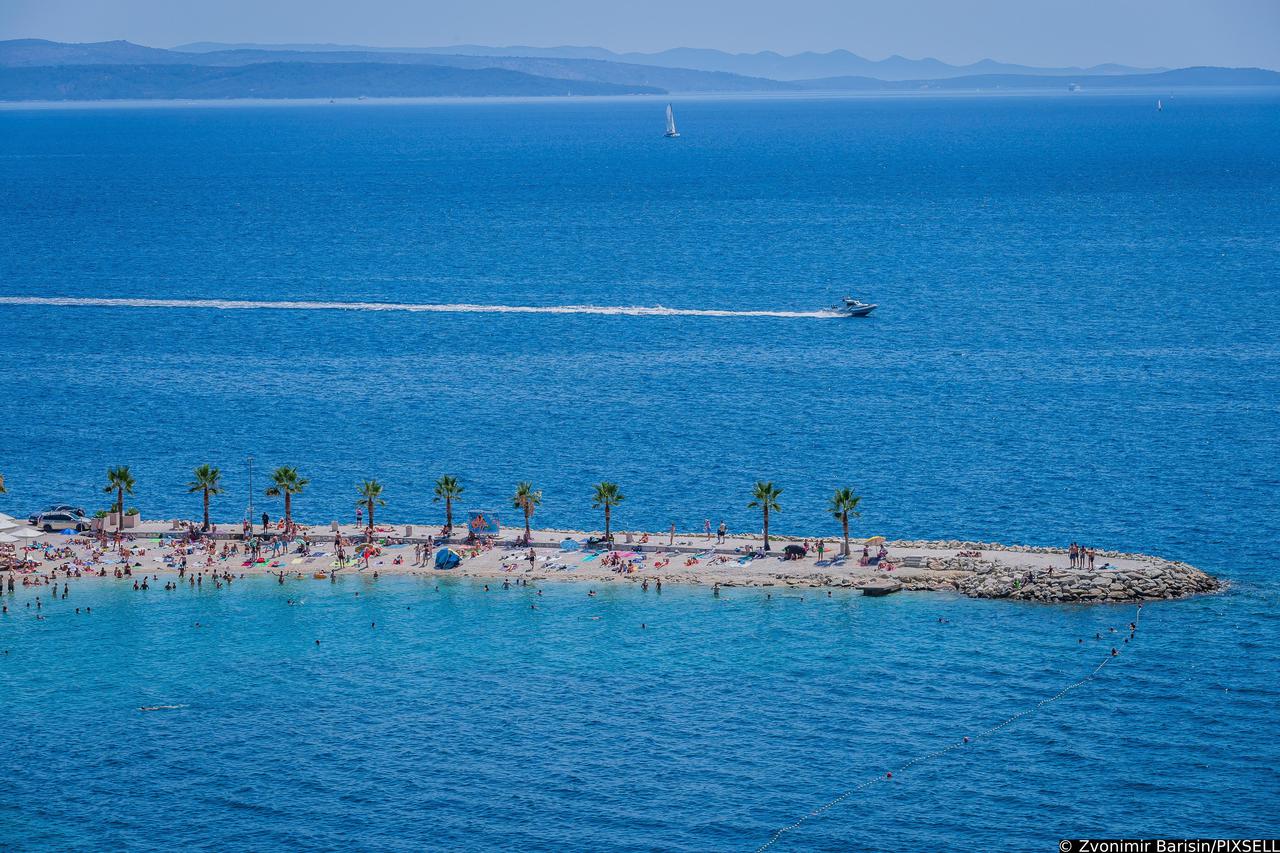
x: 940, y: 752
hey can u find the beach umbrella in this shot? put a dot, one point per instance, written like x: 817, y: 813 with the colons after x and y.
x: 7, y: 539
x: 873, y: 540
x: 8, y: 524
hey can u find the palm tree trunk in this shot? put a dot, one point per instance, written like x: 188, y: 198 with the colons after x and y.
x: 288, y: 511
x: 528, y: 533
x: 206, y: 510
x: 120, y: 508
x: 606, y: 522
x: 766, y: 528
x: 371, y: 513
x: 448, y: 514
x: 844, y: 524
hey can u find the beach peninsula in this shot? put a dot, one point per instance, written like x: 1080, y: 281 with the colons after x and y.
x: 974, y: 569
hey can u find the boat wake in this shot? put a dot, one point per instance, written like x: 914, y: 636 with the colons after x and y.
x: 433, y: 308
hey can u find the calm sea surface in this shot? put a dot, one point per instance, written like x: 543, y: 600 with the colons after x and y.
x: 1079, y: 338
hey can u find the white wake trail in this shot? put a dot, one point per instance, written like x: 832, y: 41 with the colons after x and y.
x: 435, y: 308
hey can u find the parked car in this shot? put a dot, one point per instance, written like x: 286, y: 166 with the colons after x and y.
x: 51, y: 521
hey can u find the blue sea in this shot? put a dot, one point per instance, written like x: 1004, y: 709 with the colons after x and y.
x: 1078, y: 339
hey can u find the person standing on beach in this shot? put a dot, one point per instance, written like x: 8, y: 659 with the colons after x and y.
x: 706, y: 525
x: 671, y: 540
x: 721, y: 532
x: 359, y: 515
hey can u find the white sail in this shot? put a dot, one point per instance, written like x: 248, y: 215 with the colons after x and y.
x: 671, y: 123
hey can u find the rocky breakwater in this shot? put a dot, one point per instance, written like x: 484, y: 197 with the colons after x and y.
x: 1147, y: 581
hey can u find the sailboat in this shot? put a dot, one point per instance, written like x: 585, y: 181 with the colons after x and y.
x: 671, y: 133
x: 1159, y: 105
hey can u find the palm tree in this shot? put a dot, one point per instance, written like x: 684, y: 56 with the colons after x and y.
x: 120, y: 481
x: 844, y: 503
x: 526, y: 500
x: 3, y: 490
x: 607, y: 496
x: 447, y: 490
x: 207, y: 480
x: 370, y: 495
x: 765, y: 498
x: 286, y: 481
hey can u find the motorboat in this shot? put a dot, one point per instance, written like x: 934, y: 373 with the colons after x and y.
x: 850, y: 307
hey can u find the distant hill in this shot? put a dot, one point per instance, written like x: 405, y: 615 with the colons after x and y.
x: 284, y: 80
x: 34, y: 52
x: 41, y: 52
x: 1164, y: 80
x: 765, y: 63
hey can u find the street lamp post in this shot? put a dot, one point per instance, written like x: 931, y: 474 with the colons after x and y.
x: 251, y: 493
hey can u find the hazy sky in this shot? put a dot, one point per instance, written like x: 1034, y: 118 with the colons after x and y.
x: 1036, y: 32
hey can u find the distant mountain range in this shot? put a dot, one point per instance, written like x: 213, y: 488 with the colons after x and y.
x: 40, y: 53
x: 801, y: 66
x: 35, y: 69
x: 285, y: 80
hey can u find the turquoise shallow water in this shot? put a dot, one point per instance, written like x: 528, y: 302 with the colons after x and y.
x: 468, y: 720
x: 1078, y: 340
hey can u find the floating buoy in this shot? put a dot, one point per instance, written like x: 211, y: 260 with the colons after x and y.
x: 888, y: 775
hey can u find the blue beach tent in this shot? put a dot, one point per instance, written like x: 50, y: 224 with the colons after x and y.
x: 571, y: 545
x: 447, y: 558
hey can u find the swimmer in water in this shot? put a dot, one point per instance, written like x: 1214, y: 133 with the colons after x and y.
x: 1113, y: 651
